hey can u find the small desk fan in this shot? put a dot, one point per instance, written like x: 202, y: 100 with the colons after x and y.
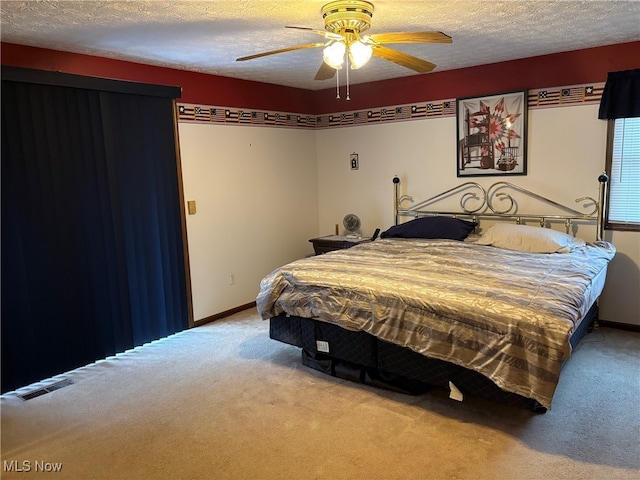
x: 351, y: 224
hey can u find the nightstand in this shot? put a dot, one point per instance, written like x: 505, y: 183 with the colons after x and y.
x: 335, y: 242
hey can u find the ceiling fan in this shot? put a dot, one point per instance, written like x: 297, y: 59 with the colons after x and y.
x: 344, y: 22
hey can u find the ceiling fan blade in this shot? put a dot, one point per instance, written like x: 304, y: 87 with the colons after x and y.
x: 324, y: 33
x: 411, y: 37
x: 281, y: 50
x: 403, y: 59
x: 325, y: 72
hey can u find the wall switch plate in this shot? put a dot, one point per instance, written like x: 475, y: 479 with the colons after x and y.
x: 191, y: 207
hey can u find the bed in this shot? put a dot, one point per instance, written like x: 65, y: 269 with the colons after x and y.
x: 434, y: 303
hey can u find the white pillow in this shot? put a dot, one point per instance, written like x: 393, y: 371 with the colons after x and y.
x: 524, y: 238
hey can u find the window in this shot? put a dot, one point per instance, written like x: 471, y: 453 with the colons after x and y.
x: 623, y: 166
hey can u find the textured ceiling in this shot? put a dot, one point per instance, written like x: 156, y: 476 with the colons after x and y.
x: 207, y: 36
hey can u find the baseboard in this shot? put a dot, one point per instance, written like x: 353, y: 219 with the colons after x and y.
x: 622, y: 326
x: 220, y: 315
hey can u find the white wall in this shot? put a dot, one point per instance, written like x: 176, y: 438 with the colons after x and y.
x: 263, y: 192
x: 564, y: 161
x: 566, y: 153
x: 418, y: 152
x: 256, y: 196
x: 620, y: 301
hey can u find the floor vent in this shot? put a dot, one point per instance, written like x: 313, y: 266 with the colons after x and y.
x: 44, y: 390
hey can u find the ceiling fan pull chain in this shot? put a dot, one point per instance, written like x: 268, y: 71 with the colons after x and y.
x: 347, y: 68
x: 337, y: 84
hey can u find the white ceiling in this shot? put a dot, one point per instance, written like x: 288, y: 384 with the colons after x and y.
x: 207, y: 36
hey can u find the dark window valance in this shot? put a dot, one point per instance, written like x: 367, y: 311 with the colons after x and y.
x: 59, y: 79
x: 621, y: 95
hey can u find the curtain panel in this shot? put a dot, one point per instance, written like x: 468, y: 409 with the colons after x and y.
x: 92, y: 225
x: 621, y: 95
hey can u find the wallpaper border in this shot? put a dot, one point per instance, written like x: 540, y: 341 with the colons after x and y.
x: 537, y: 98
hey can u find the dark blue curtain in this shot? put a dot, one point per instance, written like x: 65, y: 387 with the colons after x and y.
x: 92, y: 230
x: 621, y: 95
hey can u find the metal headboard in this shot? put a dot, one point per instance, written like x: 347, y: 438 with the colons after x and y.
x: 478, y: 202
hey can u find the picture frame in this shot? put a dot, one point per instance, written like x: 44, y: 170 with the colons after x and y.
x: 492, y: 134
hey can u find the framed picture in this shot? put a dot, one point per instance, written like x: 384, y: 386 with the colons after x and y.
x: 492, y: 134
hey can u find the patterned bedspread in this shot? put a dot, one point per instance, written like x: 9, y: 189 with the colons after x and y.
x: 505, y: 314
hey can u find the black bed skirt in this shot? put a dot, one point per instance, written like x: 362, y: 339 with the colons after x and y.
x: 361, y: 357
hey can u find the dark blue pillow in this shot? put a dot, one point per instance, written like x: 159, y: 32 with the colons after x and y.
x: 432, y: 227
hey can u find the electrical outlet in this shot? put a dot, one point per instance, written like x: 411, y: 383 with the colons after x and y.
x: 232, y: 279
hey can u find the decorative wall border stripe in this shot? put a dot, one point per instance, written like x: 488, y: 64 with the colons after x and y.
x: 564, y: 96
x: 538, y: 98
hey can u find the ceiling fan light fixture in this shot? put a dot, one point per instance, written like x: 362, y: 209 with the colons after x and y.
x: 344, y: 24
x: 359, y: 54
x: 333, y: 55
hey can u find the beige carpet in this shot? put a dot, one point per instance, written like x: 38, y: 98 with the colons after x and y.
x: 223, y: 401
